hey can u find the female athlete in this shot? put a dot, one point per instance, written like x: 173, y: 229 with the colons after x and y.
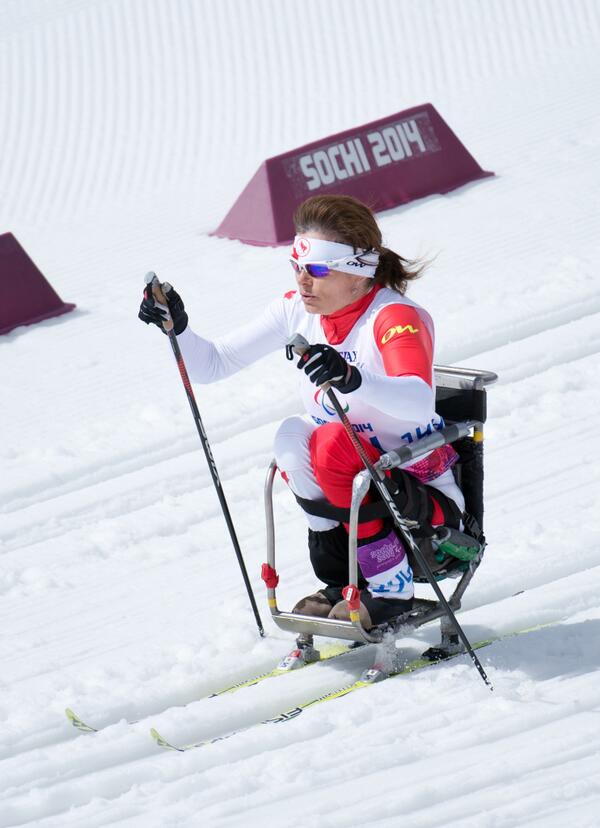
x: 375, y: 347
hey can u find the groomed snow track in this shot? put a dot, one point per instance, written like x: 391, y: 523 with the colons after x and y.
x: 128, y: 130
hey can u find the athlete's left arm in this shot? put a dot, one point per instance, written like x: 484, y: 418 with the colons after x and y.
x: 406, y: 347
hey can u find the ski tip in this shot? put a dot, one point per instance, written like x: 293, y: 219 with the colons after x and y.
x: 155, y: 735
x: 163, y: 742
x: 78, y: 723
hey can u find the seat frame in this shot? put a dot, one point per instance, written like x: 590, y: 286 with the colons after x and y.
x: 461, y: 401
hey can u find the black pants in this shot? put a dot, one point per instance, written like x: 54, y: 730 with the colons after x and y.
x: 329, y: 550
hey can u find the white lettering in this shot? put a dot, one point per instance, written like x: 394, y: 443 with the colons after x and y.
x: 310, y: 173
x: 392, y: 142
x: 402, y: 137
x: 332, y: 152
x: 361, y: 151
x: 378, y: 149
x: 350, y: 158
x: 324, y: 168
x: 414, y: 136
x: 342, y: 161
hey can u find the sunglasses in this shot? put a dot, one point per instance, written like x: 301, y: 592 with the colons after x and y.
x: 320, y: 269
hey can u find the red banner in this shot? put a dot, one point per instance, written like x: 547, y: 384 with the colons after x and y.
x: 384, y: 163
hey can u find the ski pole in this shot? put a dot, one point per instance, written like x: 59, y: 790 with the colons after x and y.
x: 152, y: 279
x: 299, y: 345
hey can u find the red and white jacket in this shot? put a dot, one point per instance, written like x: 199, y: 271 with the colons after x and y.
x: 387, y: 336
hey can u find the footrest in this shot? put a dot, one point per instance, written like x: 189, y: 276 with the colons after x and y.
x: 329, y: 627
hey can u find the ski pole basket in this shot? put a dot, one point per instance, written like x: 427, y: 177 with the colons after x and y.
x: 461, y: 401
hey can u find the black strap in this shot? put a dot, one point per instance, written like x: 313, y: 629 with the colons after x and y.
x: 324, y: 509
x: 473, y: 528
x: 411, y: 497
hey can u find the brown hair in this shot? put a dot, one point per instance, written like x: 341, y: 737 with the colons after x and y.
x: 349, y: 221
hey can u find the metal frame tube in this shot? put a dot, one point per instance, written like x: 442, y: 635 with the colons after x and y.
x: 270, y: 521
x: 463, y: 377
x: 360, y: 486
x: 407, y: 454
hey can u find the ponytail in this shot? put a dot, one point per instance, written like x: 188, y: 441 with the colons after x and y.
x: 395, y: 272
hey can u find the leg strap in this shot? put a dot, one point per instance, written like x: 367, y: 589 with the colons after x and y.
x: 413, y: 499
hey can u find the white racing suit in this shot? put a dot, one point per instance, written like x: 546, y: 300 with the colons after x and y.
x: 390, y: 339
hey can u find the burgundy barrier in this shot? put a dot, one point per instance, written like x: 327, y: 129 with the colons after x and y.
x: 385, y: 163
x: 25, y: 295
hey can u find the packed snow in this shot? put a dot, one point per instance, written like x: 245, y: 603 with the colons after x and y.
x: 129, y: 127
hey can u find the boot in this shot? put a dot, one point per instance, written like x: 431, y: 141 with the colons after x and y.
x: 315, y: 604
x: 373, y: 611
x: 341, y: 613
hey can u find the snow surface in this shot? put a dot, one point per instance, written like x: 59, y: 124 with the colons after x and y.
x: 129, y: 127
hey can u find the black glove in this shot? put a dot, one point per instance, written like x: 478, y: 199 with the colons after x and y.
x: 151, y: 311
x: 322, y: 363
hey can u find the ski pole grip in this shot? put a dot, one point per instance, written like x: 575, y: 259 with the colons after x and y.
x: 299, y: 345
x: 160, y: 298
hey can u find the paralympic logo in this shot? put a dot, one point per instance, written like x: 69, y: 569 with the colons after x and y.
x: 301, y: 248
x: 320, y: 400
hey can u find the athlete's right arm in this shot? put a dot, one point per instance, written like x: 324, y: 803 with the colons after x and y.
x: 211, y: 360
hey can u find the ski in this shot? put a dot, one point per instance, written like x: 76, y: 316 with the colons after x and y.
x: 368, y: 678
x: 288, y: 664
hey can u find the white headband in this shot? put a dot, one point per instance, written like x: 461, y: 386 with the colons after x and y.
x: 307, y: 250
